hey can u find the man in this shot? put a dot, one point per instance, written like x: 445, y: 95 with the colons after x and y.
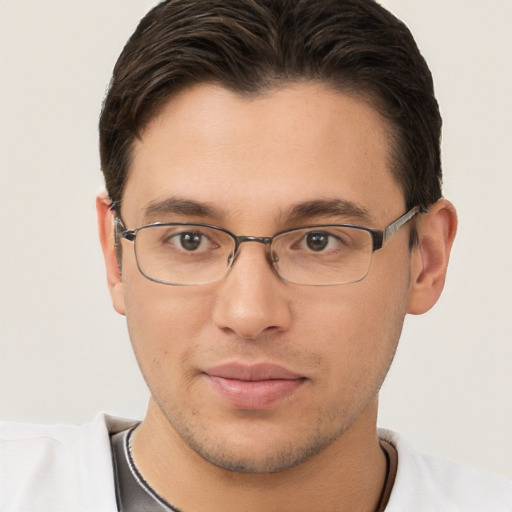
x: 273, y: 211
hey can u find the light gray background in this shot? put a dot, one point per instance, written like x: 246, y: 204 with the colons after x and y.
x: 65, y: 353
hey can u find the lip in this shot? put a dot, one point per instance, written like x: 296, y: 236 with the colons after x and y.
x: 255, y: 386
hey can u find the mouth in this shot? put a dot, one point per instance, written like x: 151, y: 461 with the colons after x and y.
x: 253, y: 386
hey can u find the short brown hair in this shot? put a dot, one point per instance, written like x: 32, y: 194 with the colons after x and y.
x: 249, y: 46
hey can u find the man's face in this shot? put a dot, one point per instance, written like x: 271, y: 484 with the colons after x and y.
x: 317, y: 354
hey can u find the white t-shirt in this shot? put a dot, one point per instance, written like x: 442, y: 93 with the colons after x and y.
x: 62, y: 468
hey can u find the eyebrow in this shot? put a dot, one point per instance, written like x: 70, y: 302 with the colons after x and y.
x: 180, y: 206
x: 328, y: 208
x: 300, y: 212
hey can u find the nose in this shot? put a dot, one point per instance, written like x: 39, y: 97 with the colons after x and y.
x: 252, y: 298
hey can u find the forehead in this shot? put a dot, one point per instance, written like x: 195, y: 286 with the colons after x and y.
x: 266, y: 153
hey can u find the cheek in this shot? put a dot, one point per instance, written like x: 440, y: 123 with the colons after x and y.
x: 355, y: 329
x: 164, y: 324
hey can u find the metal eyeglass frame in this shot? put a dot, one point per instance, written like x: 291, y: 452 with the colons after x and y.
x: 379, y: 237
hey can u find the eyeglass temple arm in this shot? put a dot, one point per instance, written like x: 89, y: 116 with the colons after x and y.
x: 380, y: 237
x: 120, y: 229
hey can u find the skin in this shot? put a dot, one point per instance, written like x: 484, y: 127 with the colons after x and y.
x: 252, y: 160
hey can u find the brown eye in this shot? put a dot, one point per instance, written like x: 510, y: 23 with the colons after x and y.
x: 317, y: 241
x: 190, y: 241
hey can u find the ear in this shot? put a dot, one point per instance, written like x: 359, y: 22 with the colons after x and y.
x: 106, y: 232
x: 436, y: 232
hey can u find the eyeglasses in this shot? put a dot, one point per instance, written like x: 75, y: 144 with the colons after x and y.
x: 183, y: 253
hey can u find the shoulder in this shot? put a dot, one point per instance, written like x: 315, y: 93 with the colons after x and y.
x: 58, y: 467
x: 429, y: 484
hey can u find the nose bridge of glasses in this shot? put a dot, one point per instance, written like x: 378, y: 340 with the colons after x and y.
x: 265, y: 240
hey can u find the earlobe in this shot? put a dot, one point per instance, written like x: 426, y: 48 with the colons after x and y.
x: 106, y: 232
x: 436, y: 232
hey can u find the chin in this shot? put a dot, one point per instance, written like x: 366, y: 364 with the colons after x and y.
x: 259, y: 454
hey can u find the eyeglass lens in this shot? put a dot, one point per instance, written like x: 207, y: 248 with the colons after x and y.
x: 195, y: 254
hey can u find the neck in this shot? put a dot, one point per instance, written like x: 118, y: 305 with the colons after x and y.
x: 349, y: 474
